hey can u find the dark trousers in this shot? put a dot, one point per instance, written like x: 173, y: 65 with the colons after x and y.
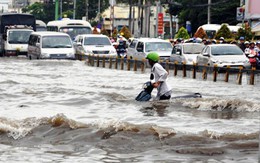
x: 163, y: 97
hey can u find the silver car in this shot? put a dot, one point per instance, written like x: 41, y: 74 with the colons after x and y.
x: 186, y: 52
x: 223, y: 55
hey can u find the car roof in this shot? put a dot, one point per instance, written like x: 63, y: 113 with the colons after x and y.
x: 188, y: 43
x: 221, y: 45
x: 151, y: 40
x: 49, y: 33
x: 93, y: 35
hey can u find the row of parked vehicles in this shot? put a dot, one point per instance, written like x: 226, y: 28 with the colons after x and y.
x: 64, y: 39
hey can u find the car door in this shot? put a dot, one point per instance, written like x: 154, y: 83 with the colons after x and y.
x: 132, y: 49
x: 79, y: 45
x: 140, y: 50
x: 204, y: 57
x: 176, y: 54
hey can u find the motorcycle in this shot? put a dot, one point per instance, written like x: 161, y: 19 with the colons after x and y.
x: 254, y: 60
x: 145, y: 94
x: 121, y: 52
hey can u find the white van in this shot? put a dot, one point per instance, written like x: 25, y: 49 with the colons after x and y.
x: 50, y: 45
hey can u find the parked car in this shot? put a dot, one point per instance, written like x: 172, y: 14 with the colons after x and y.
x: 94, y: 44
x: 139, y: 48
x: 223, y: 55
x: 186, y: 52
x: 50, y: 45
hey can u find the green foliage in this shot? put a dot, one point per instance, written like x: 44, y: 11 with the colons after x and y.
x: 224, y: 32
x: 114, y: 34
x: 245, y: 32
x: 182, y: 33
x: 196, y: 12
x: 44, y: 12
x: 125, y: 32
x: 104, y: 32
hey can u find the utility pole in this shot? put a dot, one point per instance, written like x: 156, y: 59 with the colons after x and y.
x: 157, y: 11
x: 138, y: 20
x: 74, y: 9
x: 130, y: 15
x: 61, y: 9
x: 56, y: 9
x: 87, y: 10
x: 209, y: 5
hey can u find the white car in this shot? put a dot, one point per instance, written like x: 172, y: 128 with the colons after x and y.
x: 186, y: 52
x: 139, y: 48
x: 94, y: 44
x: 223, y: 55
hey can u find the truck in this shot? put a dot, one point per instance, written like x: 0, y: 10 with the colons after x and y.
x: 15, y: 29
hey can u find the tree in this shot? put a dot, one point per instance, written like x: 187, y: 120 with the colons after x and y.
x: 182, y: 33
x: 224, y: 31
x: 114, y: 34
x: 222, y: 11
x: 245, y: 32
x: 200, y: 33
x: 125, y: 32
x: 104, y: 32
x: 42, y: 11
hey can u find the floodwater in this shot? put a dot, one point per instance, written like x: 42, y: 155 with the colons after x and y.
x: 67, y: 111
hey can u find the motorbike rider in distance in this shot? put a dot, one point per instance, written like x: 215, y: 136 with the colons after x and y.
x: 121, y: 49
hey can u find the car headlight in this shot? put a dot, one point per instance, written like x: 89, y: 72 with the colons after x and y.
x: 88, y: 52
x: 44, y: 54
x: 217, y: 62
x: 112, y: 52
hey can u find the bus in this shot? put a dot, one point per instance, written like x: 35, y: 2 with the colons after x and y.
x: 15, y: 29
x: 212, y: 29
x: 72, y: 27
x: 41, y: 26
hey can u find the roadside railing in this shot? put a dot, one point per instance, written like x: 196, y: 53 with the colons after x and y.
x: 239, y: 75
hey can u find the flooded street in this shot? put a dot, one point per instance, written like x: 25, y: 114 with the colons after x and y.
x: 67, y: 111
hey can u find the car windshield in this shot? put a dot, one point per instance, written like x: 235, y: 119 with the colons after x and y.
x: 19, y: 37
x: 56, y: 42
x: 226, y: 50
x: 96, y: 41
x: 158, y: 46
x: 192, y: 48
x: 74, y: 31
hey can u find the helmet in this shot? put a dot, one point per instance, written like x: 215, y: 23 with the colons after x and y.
x: 153, y: 56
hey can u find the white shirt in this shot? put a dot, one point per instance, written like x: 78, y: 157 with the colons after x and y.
x: 160, y: 74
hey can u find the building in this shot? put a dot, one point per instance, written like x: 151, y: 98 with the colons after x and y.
x: 252, y: 14
x: 142, y: 25
x: 4, y: 6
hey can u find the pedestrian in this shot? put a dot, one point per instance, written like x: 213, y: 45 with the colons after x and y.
x: 158, y: 77
x: 242, y: 43
x: 222, y: 40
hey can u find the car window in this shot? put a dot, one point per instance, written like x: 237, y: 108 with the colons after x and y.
x: 56, y: 42
x: 192, y: 48
x: 158, y: 46
x: 96, y: 41
x: 133, y: 43
x: 140, y: 47
x: 226, y: 50
x: 176, y: 49
x: 206, y: 50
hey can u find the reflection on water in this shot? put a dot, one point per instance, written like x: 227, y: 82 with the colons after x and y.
x: 159, y: 107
